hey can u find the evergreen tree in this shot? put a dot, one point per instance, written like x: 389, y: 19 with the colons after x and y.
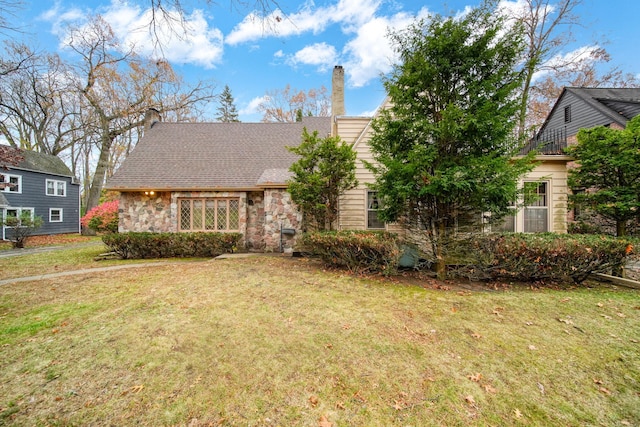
x: 325, y: 170
x: 444, y: 149
x: 227, y: 112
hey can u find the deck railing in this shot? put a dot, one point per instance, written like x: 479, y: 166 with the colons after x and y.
x: 552, y: 142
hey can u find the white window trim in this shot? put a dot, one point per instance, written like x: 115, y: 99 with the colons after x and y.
x: 367, y: 210
x: 55, y: 188
x: 18, y: 212
x: 61, y: 214
x: 6, y: 177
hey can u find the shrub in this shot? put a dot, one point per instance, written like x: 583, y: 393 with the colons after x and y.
x: 103, y: 217
x: 543, y: 257
x: 21, y: 228
x: 171, y: 245
x: 359, y: 251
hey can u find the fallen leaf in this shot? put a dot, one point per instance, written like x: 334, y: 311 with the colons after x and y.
x: 346, y: 326
x: 340, y: 405
x: 517, y: 413
x: 137, y: 388
x: 490, y: 389
x: 470, y: 400
x: 565, y: 299
x: 597, y: 381
x: 398, y: 406
x: 532, y: 347
x: 600, y: 304
x: 324, y: 422
x: 606, y: 317
x: 621, y: 315
x: 477, y: 336
x: 475, y: 377
x: 528, y: 323
x: 329, y: 346
x: 541, y: 387
x: 313, y: 400
x: 605, y: 390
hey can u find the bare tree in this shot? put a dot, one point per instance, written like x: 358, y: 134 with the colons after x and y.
x: 8, y: 12
x: 586, y: 73
x: 542, y: 20
x: 118, y: 87
x: 290, y: 105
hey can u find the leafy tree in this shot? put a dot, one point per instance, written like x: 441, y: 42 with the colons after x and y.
x: 227, y: 111
x: 607, y: 169
x: 325, y: 170
x: 444, y: 149
x: 289, y: 105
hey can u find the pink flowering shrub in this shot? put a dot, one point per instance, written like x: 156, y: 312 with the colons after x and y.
x: 103, y: 217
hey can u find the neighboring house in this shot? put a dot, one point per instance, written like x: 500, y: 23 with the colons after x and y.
x: 185, y: 177
x: 41, y: 185
x: 578, y: 108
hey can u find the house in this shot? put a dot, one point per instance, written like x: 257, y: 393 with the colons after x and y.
x: 580, y: 107
x: 43, y: 186
x: 185, y: 177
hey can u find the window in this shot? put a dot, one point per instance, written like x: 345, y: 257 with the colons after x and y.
x: 11, y: 183
x: 209, y: 214
x: 567, y: 114
x: 506, y: 225
x: 536, y: 211
x: 372, y: 211
x: 18, y: 213
x: 56, y: 188
x: 55, y: 215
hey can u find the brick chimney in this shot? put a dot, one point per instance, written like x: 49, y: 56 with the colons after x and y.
x: 337, y: 92
x: 151, y: 117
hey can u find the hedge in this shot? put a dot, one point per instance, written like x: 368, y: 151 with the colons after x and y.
x: 171, y: 245
x: 543, y: 257
x: 358, y: 251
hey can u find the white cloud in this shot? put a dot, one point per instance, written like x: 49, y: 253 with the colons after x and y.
x: 584, y: 55
x: 307, y: 19
x: 364, y: 63
x: 321, y: 55
x: 252, y: 106
x: 199, y: 44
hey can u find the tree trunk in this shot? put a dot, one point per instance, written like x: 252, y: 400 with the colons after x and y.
x: 99, y: 175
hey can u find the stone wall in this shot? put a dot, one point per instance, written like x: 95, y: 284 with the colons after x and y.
x: 255, y: 221
x: 280, y: 212
x: 261, y: 215
x: 140, y: 212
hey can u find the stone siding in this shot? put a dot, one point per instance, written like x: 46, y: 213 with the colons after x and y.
x: 261, y: 215
x: 140, y: 212
x: 280, y: 212
x: 255, y: 221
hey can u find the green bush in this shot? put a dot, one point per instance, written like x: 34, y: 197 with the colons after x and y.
x: 171, y: 245
x: 542, y: 257
x: 358, y: 251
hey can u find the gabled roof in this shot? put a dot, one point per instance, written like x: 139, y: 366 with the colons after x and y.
x: 213, y: 156
x: 619, y: 104
x: 38, y: 162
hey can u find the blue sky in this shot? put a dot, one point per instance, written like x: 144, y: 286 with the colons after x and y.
x: 304, y: 40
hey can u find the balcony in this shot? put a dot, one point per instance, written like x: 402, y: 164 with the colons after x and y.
x: 548, y: 143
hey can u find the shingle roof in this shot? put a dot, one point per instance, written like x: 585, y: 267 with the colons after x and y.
x: 212, y: 156
x: 40, y: 162
x: 621, y: 104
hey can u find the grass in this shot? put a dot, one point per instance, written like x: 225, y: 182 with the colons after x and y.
x: 279, y: 341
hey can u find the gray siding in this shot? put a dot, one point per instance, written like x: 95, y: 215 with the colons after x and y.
x: 582, y: 116
x: 34, y: 196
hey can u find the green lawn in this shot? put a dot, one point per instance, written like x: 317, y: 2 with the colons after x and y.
x: 275, y: 341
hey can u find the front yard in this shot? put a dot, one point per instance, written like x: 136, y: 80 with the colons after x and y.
x: 280, y: 341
